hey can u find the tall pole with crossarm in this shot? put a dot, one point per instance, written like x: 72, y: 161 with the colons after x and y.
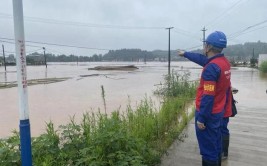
x: 24, y: 126
x: 204, y: 38
x: 169, y: 51
x: 3, y: 47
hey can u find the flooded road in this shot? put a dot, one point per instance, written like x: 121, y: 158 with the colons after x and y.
x: 58, y: 101
x: 252, y: 87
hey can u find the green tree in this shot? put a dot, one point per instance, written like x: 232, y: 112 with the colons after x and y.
x: 263, y: 67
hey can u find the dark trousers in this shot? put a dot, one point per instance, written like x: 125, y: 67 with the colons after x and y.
x: 225, y: 137
x: 210, y: 139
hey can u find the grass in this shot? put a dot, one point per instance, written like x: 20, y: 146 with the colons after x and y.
x: 136, y: 137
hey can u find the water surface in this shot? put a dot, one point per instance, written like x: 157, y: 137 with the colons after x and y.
x: 59, y: 101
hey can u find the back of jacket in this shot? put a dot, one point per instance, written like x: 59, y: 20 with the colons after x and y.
x: 219, y: 88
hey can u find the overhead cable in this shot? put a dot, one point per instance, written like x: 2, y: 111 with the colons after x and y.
x: 194, y: 47
x: 82, y: 24
x: 53, y: 44
x: 228, y: 10
x: 241, y: 32
x: 187, y: 35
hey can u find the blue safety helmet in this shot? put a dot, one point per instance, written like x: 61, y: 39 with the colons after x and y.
x: 217, y: 39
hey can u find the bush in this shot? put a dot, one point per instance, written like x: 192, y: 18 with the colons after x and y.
x: 9, y: 150
x: 177, y: 85
x: 263, y: 67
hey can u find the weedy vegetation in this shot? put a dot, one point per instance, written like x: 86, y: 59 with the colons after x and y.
x: 263, y: 67
x: 137, y: 136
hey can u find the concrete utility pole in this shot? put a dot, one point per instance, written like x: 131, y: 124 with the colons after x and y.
x: 45, y: 57
x: 204, y: 38
x: 24, y: 126
x: 169, y: 53
x: 4, y: 56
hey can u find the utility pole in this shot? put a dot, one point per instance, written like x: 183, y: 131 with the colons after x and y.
x: 169, y: 52
x: 145, y: 59
x: 24, y: 126
x: 45, y: 57
x: 4, y: 56
x: 77, y: 60
x: 253, y: 60
x: 204, y: 31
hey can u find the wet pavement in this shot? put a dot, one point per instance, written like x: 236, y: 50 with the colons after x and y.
x: 248, y: 140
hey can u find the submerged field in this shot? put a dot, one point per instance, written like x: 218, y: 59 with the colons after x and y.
x: 135, y: 136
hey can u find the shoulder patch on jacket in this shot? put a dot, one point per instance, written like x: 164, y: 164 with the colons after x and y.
x: 209, y: 88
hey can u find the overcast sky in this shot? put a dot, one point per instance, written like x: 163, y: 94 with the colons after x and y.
x: 117, y: 24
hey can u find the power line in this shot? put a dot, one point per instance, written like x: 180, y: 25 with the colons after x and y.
x: 241, y: 32
x: 81, y: 24
x: 187, y: 35
x: 212, y: 22
x: 52, y: 50
x: 254, y: 30
x: 7, y: 42
x: 64, y: 45
x: 248, y: 32
x: 194, y: 47
x: 29, y: 45
x: 10, y: 52
x: 184, y: 31
x: 30, y: 52
x: 55, y: 44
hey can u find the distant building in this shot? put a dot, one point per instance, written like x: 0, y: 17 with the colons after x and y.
x: 156, y: 59
x: 10, y: 60
x: 36, y: 60
x: 262, y: 58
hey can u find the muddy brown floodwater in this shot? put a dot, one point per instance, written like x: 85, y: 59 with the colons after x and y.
x: 58, y: 101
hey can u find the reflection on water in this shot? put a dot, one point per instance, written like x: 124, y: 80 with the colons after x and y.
x: 45, y: 73
x: 5, y: 77
x: 263, y: 76
x: 60, y: 100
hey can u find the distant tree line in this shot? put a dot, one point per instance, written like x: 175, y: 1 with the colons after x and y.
x: 63, y: 58
x: 236, y: 53
x: 128, y: 55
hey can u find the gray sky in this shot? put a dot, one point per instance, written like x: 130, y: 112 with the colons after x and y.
x: 70, y: 22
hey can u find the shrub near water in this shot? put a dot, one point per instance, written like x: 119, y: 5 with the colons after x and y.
x: 263, y: 67
x: 177, y: 85
x: 135, y: 137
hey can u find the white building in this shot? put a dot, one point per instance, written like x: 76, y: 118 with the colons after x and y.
x: 262, y: 58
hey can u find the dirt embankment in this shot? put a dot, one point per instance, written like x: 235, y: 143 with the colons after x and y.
x: 123, y: 68
x: 4, y: 85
